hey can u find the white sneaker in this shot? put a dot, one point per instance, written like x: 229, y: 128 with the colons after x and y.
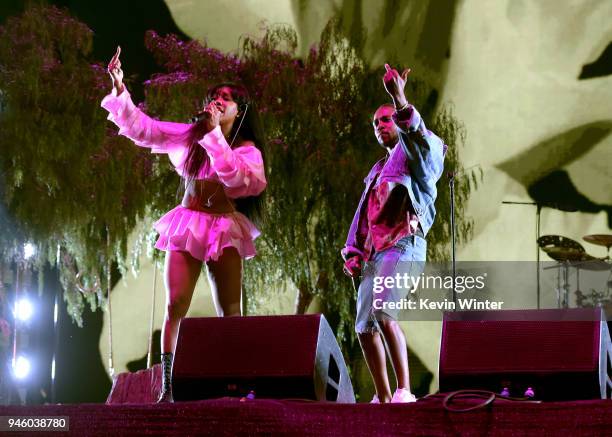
x: 403, y: 396
x: 375, y: 400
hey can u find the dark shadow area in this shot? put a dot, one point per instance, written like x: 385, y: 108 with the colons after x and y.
x: 430, y: 103
x: 125, y: 23
x: 558, y: 188
x: 540, y: 168
x: 555, y: 152
x: 393, y: 36
x: 80, y: 375
x: 114, y: 23
x: 9, y: 8
x: 602, y: 66
x: 434, y: 42
x: 420, y: 376
x: 141, y: 363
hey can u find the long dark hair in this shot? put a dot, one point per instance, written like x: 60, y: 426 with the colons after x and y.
x: 249, y: 130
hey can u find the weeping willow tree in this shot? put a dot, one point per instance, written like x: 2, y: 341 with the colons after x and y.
x: 70, y: 186
x: 317, y: 113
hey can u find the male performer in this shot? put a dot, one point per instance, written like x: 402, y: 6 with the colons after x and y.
x: 387, y: 235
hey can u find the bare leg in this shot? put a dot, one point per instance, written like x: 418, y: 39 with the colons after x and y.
x: 225, y: 276
x: 180, y: 276
x: 374, y: 353
x: 396, y: 342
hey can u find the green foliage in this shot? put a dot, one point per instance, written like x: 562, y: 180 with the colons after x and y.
x: 68, y: 180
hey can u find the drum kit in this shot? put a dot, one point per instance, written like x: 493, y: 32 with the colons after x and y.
x: 571, y: 254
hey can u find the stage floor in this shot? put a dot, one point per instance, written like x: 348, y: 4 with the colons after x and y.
x: 230, y: 416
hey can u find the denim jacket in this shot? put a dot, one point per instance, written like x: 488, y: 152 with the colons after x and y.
x: 416, y: 162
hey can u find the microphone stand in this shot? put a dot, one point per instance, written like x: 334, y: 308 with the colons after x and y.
x: 538, y: 213
x: 451, y: 184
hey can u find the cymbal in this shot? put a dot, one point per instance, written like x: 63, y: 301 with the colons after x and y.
x: 599, y: 239
x: 581, y: 260
x: 595, y: 265
x: 548, y: 241
x: 565, y: 253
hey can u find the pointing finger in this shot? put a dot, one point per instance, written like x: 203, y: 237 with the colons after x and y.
x: 115, y: 56
x: 387, y: 67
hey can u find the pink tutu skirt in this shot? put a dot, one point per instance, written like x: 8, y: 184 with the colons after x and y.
x: 205, y: 235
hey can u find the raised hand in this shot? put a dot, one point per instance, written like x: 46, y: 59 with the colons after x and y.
x: 394, y: 85
x: 114, y: 69
x: 212, y: 116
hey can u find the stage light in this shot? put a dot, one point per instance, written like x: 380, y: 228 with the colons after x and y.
x: 23, y: 309
x: 21, y: 368
x: 28, y: 250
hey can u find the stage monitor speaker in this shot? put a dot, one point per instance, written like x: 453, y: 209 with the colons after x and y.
x: 281, y: 357
x: 562, y: 354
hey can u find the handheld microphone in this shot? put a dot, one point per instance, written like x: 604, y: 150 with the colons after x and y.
x: 199, y: 117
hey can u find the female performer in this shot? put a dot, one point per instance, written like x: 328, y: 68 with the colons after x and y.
x: 220, y: 159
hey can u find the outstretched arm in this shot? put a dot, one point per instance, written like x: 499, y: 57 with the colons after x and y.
x: 424, y: 148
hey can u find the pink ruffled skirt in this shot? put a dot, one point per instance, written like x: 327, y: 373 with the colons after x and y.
x: 205, y: 235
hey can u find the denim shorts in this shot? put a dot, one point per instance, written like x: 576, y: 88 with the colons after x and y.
x: 376, y: 297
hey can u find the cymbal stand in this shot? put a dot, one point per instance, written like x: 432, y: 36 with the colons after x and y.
x: 537, y: 232
x: 566, y: 285
x: 562, y: 278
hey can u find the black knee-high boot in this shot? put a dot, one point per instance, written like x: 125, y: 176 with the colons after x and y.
x: 166, y: 391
